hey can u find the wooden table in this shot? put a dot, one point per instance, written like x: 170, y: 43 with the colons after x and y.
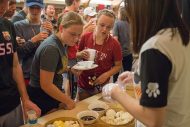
x: 83, y: 105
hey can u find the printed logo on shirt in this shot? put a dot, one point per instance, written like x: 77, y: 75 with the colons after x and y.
x: 6, y: 48
x: 6, y: 35
x: 101, y: 56
x: 64, y: 61
x: 153, y: 90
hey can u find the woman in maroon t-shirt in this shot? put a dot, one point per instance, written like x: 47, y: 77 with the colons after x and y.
x: 108, y: 55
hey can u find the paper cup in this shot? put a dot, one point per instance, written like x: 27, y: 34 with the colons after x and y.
x: 92, y: 54
x: 32, y: 117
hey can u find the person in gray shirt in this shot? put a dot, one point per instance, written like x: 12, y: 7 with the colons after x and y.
x: 29, y: 30
x: 121, y: 32
x: 50, y: 62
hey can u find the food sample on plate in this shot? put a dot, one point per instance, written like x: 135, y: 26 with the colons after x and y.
x: 60, y: 123
x: 113, y: 117
x: 86, y: 64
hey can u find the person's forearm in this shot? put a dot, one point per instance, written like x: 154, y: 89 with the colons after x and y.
x: 114, y: 70
x: 150, y: 117
x: 56, y: 93
x: 78, y: 55
x: 18, y: 77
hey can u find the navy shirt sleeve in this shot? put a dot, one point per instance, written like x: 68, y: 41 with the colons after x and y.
x: 155, y: 69
x: 14, y: 37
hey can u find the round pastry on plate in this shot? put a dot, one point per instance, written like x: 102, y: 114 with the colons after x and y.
x: 116, y: 117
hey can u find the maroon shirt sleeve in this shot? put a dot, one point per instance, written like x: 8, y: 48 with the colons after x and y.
x: 117, y: 51
x: 81, y: 43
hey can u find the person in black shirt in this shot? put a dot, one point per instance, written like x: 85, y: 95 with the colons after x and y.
x: 12, y: 86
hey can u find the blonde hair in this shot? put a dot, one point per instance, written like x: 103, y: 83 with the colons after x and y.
x: 106, y: 12
x: 71, y: 18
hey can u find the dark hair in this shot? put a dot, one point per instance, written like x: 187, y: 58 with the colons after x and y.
x: 1, y: 1
x: 123, y: 14
x: 70, y: 2
x: 11, y: 2
x: 149, y: 16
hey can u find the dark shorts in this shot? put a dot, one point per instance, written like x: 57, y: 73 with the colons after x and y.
x: 43, y: 100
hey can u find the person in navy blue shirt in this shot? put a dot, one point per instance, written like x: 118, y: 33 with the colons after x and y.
x: 12, y: 87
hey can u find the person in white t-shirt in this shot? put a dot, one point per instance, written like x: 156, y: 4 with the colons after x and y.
x: 162, y: 41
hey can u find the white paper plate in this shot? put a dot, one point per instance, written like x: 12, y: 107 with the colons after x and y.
x: 78, y: 67
x: 122, y: 122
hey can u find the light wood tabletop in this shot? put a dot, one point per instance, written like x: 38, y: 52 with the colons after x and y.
x: 83, y: 105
